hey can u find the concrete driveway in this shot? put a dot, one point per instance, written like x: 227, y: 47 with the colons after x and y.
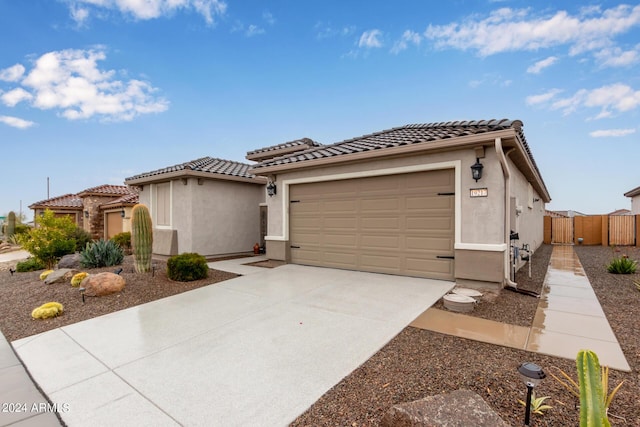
x: 255, y: 350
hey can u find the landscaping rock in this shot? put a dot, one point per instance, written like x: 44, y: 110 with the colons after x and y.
x: 460, y: 408
x: 62, y: 275
x: 100, y: 284
x: 70, y: 261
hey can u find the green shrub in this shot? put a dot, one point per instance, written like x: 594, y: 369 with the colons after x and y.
x: 101, y: 253
x: 622, y: 265
x: 124, y: 240
x: 51, y: 239
x: 31, y: 264
x: 82, y: 237
x: 187, y: 267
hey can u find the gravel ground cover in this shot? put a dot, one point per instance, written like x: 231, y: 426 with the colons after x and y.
x: 20, y: 293
x: 415, y: 364
x: 419, y: 363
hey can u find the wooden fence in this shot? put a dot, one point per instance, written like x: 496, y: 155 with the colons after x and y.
x: 619, y: 230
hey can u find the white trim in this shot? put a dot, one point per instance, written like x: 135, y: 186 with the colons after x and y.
x: 153, y: 190
x: 453, y: 164
x: 499, y: 247
x: 275, y: 238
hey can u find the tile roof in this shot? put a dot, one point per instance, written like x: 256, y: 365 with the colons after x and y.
x: 65, y: 201
x: 205, y: 164
x: 302, y: 143
x: 128, y: 199
x: 107, y: 190
x: 404, y: 135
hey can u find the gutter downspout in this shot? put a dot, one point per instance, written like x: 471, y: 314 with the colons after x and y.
x: 507, y: 205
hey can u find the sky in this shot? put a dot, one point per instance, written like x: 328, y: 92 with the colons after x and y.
x: 95, y: 91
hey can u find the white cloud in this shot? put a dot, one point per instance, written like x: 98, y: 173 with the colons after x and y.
x: 12, y: 74
x: 542, y: 98
x: 520, y: 29
x: 147, y: 9
x: 610, y: 99
x: 16, y: 122
x: 15, y: 96
x: 327, y: 30
x: 268, y: 18
x: 542, y: 64
x: 370, y: 39
x: 253, y: 30
x: 71, y: 81
x: 611, y: 133
x: 616, y: 57
x: 407, y: 37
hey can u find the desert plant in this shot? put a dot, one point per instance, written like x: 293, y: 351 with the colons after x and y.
x: 141, y: 238
x: 50, y: 309
x: 44, y: 274
x: 101, y: 253
x: 51, y: 239
x: 592, y: 385
x: 11, y: 224
x: 78, y: 278
x: 622, y: 265
x: 31, y: 264
x: 82, y: 237
x: 187, y: 267
x: 124, y: 240
x: 537, y: 404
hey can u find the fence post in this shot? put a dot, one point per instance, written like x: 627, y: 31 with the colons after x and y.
x: 605, y: 230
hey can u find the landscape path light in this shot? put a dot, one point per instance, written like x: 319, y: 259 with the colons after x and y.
x: 531, y: 374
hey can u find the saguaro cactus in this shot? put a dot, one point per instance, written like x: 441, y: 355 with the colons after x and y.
x: 141, y: 238
x: 11, y: 224
x: 592, y: 404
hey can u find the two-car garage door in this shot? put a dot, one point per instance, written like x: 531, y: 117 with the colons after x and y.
x: 398, y: 224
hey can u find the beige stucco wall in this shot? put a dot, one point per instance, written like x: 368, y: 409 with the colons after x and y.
x: 635, y: 205
x: 480, y: 222
x: 213, y: 217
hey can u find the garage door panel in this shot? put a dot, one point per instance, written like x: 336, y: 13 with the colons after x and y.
x: 394, y: 224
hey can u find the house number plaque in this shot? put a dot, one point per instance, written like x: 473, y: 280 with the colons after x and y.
x: 479, y: 192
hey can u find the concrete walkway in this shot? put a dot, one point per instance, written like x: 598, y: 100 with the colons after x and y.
x: 256, y: 350
x: 569, y: 318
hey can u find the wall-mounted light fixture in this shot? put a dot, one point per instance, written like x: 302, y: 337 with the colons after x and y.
x: 271, y: 188
x: 476, y: 170
x: 86, y: 214
x: 531, y: 374
x: 536, y: 200
x: 122, y: 213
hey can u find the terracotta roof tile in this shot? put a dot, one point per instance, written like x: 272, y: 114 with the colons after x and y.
x: 205, y: 164
x: 107, y: 190
x: 129, y: 199
x: 65, y: 201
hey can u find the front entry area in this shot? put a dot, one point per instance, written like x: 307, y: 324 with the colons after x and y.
x: 397, y: 224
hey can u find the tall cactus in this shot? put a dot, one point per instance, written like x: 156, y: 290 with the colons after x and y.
x: 11, y: 224
x: 141, y: 238
x: 592, y: 403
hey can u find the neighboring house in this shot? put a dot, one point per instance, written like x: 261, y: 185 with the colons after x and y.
x: 620, y: 212
x: 635, y: 200
x: 99, y: 210
x: 403, y: 201
x: 210, y: 206
x: 564, y: 214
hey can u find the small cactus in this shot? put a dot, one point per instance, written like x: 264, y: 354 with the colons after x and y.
x: 593, y: 412
x: 50, y: 309
x: 44, y: 274
x: 141, y: 238
x: 78, y: 278
x: 11, y: 224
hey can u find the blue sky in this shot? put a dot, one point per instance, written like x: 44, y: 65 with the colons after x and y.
x: 94, y: 91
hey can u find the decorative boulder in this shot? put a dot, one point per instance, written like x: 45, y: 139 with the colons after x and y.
x: 62, y: 275
x: 97, y: 285
x: 70, y: 261
x: 458, y: 408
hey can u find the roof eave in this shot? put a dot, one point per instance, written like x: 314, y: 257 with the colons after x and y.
x: 187, y: 173
x: 633, y: 193
x: 435, y: 145
x: 532, y: 172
